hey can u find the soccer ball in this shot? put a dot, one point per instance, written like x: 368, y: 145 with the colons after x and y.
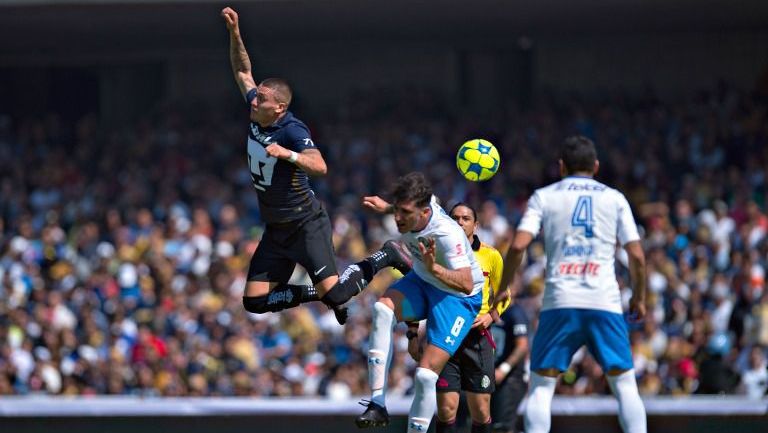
x: 478, y: 160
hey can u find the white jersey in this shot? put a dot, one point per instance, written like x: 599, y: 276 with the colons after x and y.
x: 582, y: 220
x: 452, y: 250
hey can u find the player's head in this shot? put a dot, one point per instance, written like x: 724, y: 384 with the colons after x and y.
x: 466, y: 216
x: 578, y: 156
x: 411, y: 196
x: 271, y: 102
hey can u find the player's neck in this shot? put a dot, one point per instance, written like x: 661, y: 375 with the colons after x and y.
x: 423, y: 224
x: 580, y: 174
x: 273, y: 121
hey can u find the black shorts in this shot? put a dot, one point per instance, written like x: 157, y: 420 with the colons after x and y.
x: 471, y: 367
x: 307, y: 243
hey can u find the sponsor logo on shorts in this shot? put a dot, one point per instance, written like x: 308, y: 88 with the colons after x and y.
x: 442, y: 382
x: 485, y: 382
x: 450, y: 341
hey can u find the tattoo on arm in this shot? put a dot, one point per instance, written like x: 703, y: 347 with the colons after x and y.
x: 241, y: 64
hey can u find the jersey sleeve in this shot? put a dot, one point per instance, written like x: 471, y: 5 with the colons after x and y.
x: 450, y: 250
x: 627, y: 229
x: 519, y: 322
x: 298, y: 139
x: 531, y: 221
x: 497, y: 267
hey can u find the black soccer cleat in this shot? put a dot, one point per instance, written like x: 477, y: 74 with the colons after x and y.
x: 341, y: 313
x: 374, y: 415
x: 399, y: 258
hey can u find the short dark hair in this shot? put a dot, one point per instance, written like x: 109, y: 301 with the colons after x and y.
x: 578, y: 154
x: 461, y: 203
x: 412, y: 187
x: 282, y: 90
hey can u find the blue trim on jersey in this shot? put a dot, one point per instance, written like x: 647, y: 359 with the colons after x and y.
x: 562, y: 331
x: 578, y: 176
x: 449, y: 317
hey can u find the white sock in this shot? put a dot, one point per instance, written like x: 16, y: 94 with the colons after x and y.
x: 538, y: 410
x: 380, y: 352
x: 424, y: 401
x: 631, y: 409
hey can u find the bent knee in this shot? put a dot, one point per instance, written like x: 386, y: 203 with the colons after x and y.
x: 256, y: 304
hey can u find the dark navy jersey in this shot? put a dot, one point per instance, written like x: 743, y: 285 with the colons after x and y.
x: 283, y: 187
x: 513, y: 324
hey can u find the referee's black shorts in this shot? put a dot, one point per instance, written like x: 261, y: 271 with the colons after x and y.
x: 307, y: 243
x: 471, y: 367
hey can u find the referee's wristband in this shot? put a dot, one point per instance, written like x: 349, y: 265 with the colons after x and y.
x: 505, y: 367
x: 294, y: 156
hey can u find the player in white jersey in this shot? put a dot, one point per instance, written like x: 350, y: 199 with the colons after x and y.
x: 444, y: 287
x: 582, y: 221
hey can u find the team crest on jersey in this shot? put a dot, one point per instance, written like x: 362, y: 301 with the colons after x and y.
x: 485, y: 382
x: 262, y: 138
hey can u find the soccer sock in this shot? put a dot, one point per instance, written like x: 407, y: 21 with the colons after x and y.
x: 446, y: 427
x: 424, y: 401
x: 481, y: 428
x: 631, y: 409
x: 379, y: 354
x: 351, y: 282
x: 538, y: 416
x: 281, y: 297
x: 374, y: 263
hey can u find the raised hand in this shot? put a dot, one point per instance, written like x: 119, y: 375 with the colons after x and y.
x: 375, y: 203
x: 230, y: 18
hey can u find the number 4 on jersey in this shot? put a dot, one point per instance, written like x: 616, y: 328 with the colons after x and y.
x: 582, y: 215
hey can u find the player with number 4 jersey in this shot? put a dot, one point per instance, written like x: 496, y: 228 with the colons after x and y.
x: 281, y: 157
x: 582, y: 221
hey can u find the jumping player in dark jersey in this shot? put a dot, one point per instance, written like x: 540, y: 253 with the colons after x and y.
x: 281, y: 157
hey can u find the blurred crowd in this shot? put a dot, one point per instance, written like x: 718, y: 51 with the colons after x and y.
x: 123, y: 252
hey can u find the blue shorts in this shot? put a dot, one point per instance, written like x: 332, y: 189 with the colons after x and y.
x: 449, y: 317
x: 563, y: 331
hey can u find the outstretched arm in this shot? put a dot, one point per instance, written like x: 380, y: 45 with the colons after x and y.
x: 241, y: 63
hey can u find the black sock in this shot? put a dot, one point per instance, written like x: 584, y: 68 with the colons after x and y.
x: 481, y: 428
x: 369, y: 268
x: 289, y: 295
x: 351, y: 282
x: 444, y: 427
x: 377, y: 261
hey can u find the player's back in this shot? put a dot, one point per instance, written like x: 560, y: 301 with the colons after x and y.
x: 582, y: 220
